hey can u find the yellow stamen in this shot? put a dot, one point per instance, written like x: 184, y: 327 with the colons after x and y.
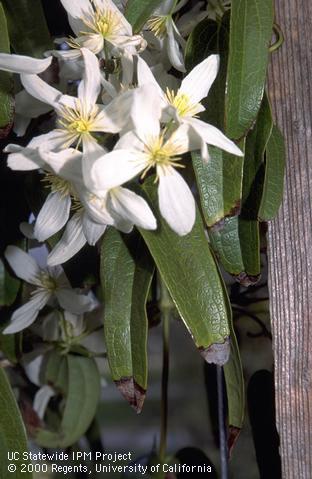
x: 157, y: 24
x: 182, y: 103
x: 57, y: 184
x: 161, y: 154
x: 104, y: 22
x: 76, y: 121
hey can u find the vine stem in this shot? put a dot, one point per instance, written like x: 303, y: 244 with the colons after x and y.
x: 165, y: 308
x: 222, y: 429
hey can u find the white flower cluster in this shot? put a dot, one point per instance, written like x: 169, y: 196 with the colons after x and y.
x: 128, y: 118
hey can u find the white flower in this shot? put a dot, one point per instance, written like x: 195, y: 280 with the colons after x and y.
x: 96, y: 22
x: 50, y: 283
x: 163, y: 26
x: 118, y: 206
x: 79, y: 118
x: 184, y: 105
x: 149, y: 147
x: 23, y: 64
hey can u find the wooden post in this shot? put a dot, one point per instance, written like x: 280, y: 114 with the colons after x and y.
x: 290, y: 240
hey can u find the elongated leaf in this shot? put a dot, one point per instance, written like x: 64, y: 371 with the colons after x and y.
x: 139, y: 11
x: 256, y: 144
x: 126, y: 273
x: 190, y: 274
x: 274, y: 176
x: 236, y: 240
x: 29, y: 34
x: 12, y: 432
x: 83, y: 392
x: 6, y: 86
x: 219, y: 184
x: 250, y: 35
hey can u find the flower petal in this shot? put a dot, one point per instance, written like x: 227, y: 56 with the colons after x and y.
x: 78, y: 8
x: 71, y: 242
x: 73, y: 301
x: 23, y: 159
x: 197, y: 83
x: 95, y: 206
x: 52, y: 216
x: 145, y: 77
x: 90, y: 85
x: 211, y: 135
x: 27, y: 314
x: 92, y: 231
x: 23, y: 64
x: 176, y: 202
x: 146, y: 111
x: 23, y: 265
x: 127, y: 205
x: 41, y: 400
x: 115, y: 116
x: 174, y: 40
x: 115, y: 168
x: 92, y: 151
x: 66, y: 164
x: 41, y: 90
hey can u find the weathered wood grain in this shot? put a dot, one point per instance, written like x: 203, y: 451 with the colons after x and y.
x: 290, y: 241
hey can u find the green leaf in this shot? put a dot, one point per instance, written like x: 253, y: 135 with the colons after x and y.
x: 219, y: 183
x: 250, y: 36
x: 6, y: 86
x: 253, y: 175
x: 236, y: 243
x: 83, y: 393
x: 208, y: 38
x: 8, y: 287
x: 274, y: 176
x: 29, y: 34
x: 12, y: 432
x: 236, y: 240
x: 139, y: 11
x: 189, y: 271
x: 126, y: 274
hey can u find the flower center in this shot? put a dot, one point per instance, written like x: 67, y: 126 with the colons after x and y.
x: 76, y: 121
x: 48, y: 282
x: 104, y: 22
x: 161, y: 154
x: 57, y: 184
x: 157, y: 24
x: 182, y: 103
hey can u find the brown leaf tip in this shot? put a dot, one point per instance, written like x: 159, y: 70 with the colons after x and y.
x: 220, y: 223
x: 132, y: 392
x: 217, y: 353
x: 234, y: 432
